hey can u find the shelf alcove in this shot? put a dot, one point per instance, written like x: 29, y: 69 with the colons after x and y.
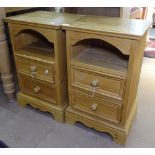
x: 98, y: 53
x: 33, y: 43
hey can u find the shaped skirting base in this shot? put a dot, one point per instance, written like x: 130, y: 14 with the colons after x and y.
x: 57, y: 112
x: 118, y: 133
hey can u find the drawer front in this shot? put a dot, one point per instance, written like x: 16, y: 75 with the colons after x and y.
x: 98, y: 83
x: 37, y: 88
x: 36, y: 69
x: 95, y: 106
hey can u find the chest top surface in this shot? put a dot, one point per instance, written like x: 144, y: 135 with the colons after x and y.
x: 113, y: 25
x: 133, y: 28
x: 47, y: 18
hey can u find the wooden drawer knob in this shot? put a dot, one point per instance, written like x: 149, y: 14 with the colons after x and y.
x: 37, y: 89
x: 33, y: 70
x: 95, y: 83
x: 46, y: 72
x: 94, y: 107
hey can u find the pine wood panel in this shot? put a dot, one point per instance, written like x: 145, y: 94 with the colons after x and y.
x: 25, y: 99
x: 37, y: 88
x: 132, y: 28
x: 114, y: 41
x: 25, y: 37
x: 106, y: 85
x: 134, y: 71
x: 39, y: 44
x: 35, y: 69
x: 128, y: 36
x: 95, y: 106
x: 44, y: 19
x: 112, y: 107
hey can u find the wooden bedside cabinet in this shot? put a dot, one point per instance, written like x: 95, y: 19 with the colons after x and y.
x: 39, y: 48
x: 104, y: 57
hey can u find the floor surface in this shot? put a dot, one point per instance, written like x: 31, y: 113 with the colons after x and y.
x: 27, y: 127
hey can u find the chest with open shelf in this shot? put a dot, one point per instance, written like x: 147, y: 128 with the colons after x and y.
x: 39, y: 49
x: 104, y: 57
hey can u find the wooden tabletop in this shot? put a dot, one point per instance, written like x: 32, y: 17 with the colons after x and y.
x: 114, y: 25
x: 47, y: 18
x: 133, y: 28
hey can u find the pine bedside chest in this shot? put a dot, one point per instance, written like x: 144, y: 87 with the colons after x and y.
x: 104, y: 57
x: 39, y: 48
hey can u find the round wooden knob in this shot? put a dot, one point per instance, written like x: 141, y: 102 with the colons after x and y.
x: 46, y: 72
x: 94, y: 107
x: 37, y: 89
x: 33, y: 68
x: 95, y: 83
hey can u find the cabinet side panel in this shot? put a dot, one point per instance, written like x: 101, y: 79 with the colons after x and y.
x: 61, y: 67
x: 134, y: 70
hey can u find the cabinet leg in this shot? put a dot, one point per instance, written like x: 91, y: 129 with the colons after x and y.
x: 21, y: 101
x: 58, y: 116
x: 119, y: 138
x: 69, y: 119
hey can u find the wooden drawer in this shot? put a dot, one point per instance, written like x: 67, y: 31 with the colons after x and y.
x: 98, y: 83
x: 95, y: 106
x: 36, y: 69
x: 37, y: 88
